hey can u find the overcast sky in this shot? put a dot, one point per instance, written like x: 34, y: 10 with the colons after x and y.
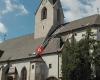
x: 17, y: 16
x: 75, y: 9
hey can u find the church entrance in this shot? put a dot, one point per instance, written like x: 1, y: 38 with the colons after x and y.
x: 10, y: 78
x: 41, y: 71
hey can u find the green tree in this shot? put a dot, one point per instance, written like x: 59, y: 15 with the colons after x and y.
x: 80, y: 59
x: 69, y: 58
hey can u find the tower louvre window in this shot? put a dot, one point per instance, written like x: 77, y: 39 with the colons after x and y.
x: 58, y: 16
x: 32, y: 66
x: 50, y: 66
x: 54, y: 1
x: 44, y: 13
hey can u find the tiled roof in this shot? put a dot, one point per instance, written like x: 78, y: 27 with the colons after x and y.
x: 80, y: 23
x: 22, y: 47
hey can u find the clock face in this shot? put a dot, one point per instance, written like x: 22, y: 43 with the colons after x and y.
x: 44, y: 2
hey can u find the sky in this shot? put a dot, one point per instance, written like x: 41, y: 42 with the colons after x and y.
x: 17, y: 16
x: 75, y: 9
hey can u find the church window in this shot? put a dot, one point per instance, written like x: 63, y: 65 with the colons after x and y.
x: 32, y: 66
x: 44, y: 13
x: 43, y: 27
x: 24, y: 74
x: 75, y: 34
x: 50, y: 65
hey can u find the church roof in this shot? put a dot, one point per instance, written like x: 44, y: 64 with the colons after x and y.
x: 80, y: 23
x: 22, y: 47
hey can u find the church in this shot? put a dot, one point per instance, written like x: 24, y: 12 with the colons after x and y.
x: 18, y: 60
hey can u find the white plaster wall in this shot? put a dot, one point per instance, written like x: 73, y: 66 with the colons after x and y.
x: 95, y: 31
x: 20, y: 65
x: 47, y: 23
x: 79, y: 34
x: 52, y: 59
x: 60, y: 64
x: 32, y: 72
x: 1, y: 66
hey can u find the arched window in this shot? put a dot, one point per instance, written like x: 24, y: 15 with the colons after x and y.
x: 24, y: 74
x: 9, y: 73
x: 44, y: 13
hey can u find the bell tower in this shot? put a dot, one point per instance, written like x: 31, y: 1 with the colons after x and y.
x: 48, y: 14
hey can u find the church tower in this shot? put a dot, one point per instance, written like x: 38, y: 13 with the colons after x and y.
x: 48, y: 14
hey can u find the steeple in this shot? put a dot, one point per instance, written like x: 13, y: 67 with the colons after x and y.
x: 48, y: 14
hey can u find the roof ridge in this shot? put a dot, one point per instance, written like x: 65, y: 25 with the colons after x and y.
x: 80, y: 23
x: 84, y: 17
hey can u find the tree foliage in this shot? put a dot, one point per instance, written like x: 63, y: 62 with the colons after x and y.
x: 79, y: 56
